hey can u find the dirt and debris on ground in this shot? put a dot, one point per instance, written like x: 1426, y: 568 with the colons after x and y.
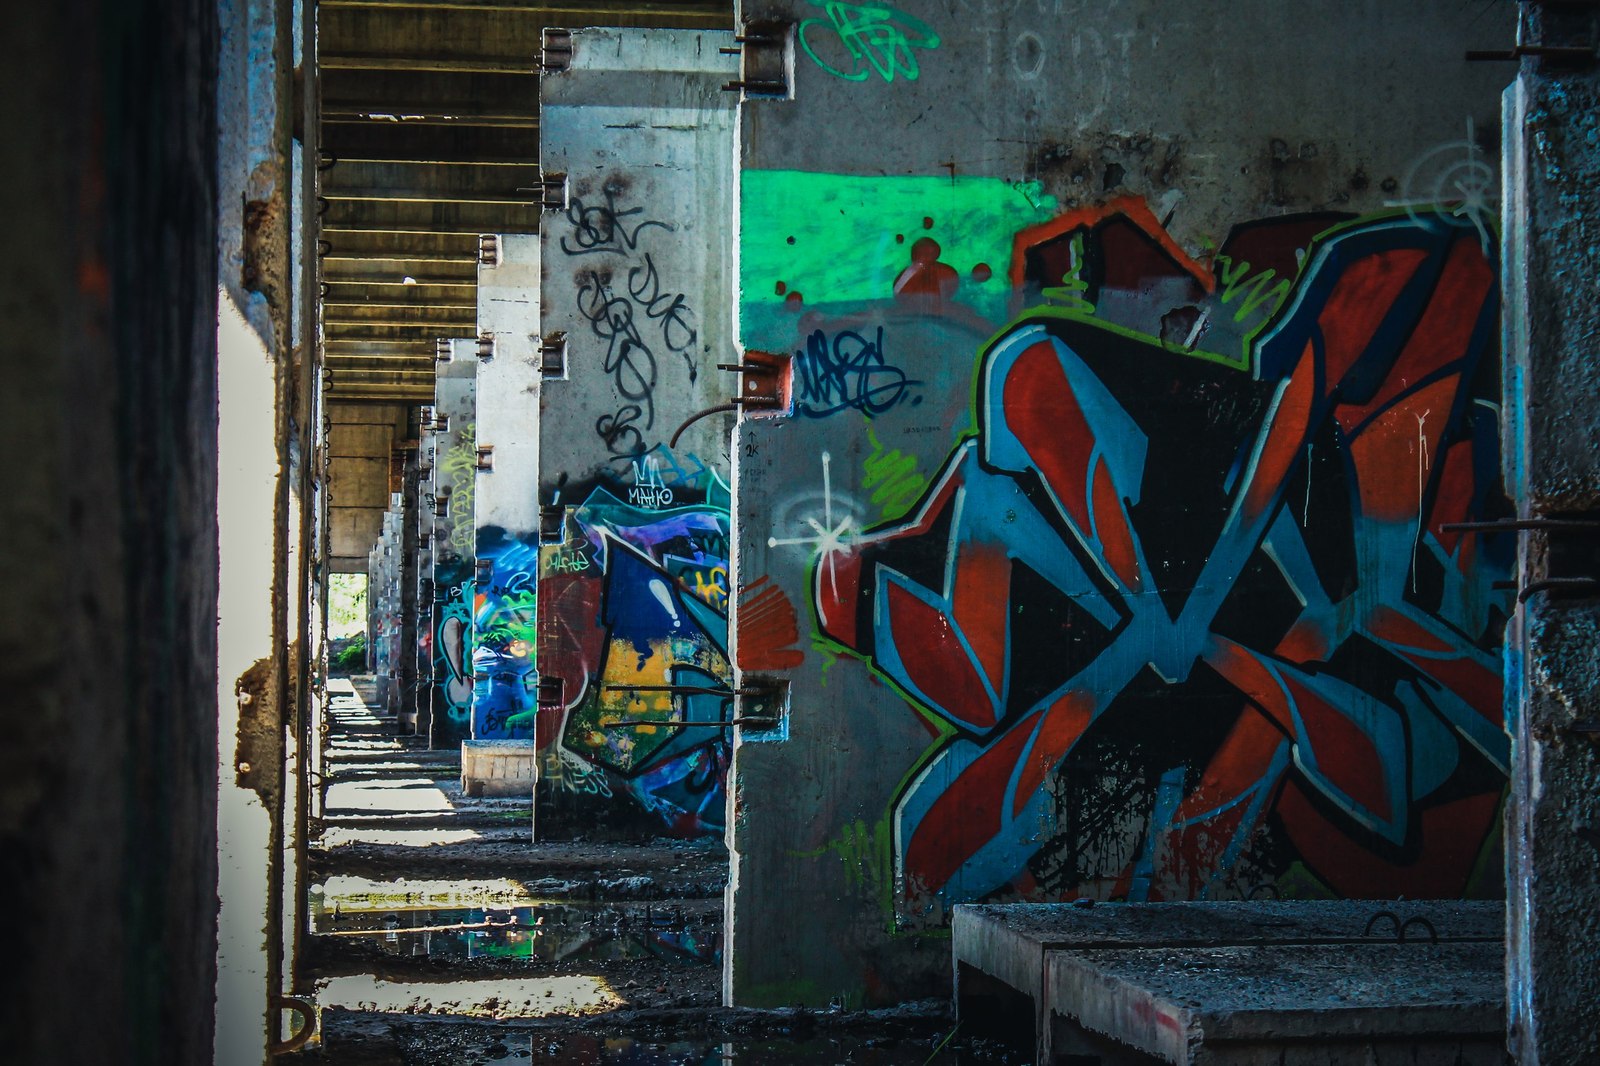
x: 442, y: 934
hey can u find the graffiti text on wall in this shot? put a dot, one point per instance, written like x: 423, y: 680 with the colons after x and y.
x: 459, y: 464
x: 612, y: 302
x: 635, y: 600
x: 855, y: 41
x: 848, y: 373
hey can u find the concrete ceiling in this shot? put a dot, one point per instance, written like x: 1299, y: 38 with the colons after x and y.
x: 429, y: 136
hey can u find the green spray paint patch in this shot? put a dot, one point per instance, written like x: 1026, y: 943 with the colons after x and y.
x: 813, y: 239
x: 892, y: 478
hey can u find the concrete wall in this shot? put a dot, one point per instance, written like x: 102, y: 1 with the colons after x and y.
x: 633, y: 583
x: 454, y: 482
x: 1139, y: 356
x: 108, y: 554
x: 506, y: 505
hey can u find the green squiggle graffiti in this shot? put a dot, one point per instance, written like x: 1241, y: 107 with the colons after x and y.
x: 876, y: 37
x: 893, y: 476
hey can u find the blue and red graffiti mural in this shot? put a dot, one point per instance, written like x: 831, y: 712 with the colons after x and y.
x: 634, y: 603
x: 1196, y: 576
x: 452, y: 666
x: 504, y: 632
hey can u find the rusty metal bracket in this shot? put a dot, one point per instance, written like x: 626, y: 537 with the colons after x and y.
x: 678, y: 723
x: 1506, y: 525
x: 1572, y: 555
x: 1573, y: 52
x: 1568, y: 586
x: 763, y: 386
x: 442, y: 350
x: 552, y: 522
x: 483, y: 572
x: 486, y: 345
x: 308, y: 1015
x: 1378, y: 917
x: 485, y: 457
x: 551, y: 192
x: 555, y: 50
x: 441, y: 502
x: 1522, y: 47
x: 764, y: 696
x: 1419, y: 920
x: 489, y: 249
x: 553, y: 355
x: 551, y: 691
x: 765, y: 52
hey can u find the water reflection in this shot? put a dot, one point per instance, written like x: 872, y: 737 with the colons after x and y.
x: 543, y: 933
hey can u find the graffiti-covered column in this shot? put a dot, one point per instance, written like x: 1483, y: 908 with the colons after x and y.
x: 426, y: 458
x: 454, y: 481
x: 409, y: 558
x: 1141, y: 365
x: 500, y: 757
x: 386, y: 661
x: 1552, y: 168
x: 636, y: 143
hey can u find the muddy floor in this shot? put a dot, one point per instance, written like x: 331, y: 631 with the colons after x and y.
x: 442, y: 934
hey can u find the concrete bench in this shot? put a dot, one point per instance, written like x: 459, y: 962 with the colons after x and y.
x: 1005, y: 955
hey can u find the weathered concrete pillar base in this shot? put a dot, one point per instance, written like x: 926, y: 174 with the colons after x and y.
x: 1275, y: 1003
x: 498, y: 767
x: 1008, y: 980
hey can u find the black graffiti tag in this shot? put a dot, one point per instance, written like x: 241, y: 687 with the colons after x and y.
x: 849, y: 374
x: 666, y: 308
x: 628, y: 361
x: 602, y: 228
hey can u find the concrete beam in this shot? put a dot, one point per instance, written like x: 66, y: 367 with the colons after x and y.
x: 404, y: 216
x: 379, y: 141
x: 417, y: 247
x: 465, y: 182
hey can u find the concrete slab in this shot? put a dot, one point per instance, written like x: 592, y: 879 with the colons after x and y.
x: 1001, y: 951
x: 1373, y: 1002
x: 498, y: 767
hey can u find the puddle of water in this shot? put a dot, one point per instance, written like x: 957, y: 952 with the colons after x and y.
x: 347, y: 892
x: 541, y: 933
x: 533, y: 997
x: 585, y: 1050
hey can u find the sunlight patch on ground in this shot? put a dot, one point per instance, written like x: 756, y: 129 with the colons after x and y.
x: 396, y: 795
x: 338, y: 836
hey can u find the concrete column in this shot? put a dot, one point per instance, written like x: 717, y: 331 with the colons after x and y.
x: 454, y: 474
x: 1052, y: 625
x: 426, y: 449
x: 1552, y: 387
x: 506, y: 516
x: 636, y: 274
x: 406, y: 667
x: 260, y: 492
x: 108, y: 289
